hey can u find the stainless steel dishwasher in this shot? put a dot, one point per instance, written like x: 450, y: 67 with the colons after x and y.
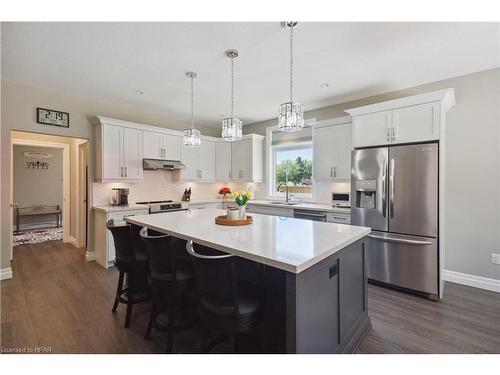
x: 309, y: 215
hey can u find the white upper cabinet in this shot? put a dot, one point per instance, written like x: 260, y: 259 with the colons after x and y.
x: 152, y: 145
x: 324, y: 155
x: 118, y: 153
x: 372, y: 129
x: 110, y: 162
x: 206, y: 160
x: 342, y: 148
x: 416, y: 123
x: 332, y: 152
x: 199, y: 162
x: 161, y: 146
x: 247, y: 159
x: 223, y: 167
x: 415, y: 118
x: 132, y: 154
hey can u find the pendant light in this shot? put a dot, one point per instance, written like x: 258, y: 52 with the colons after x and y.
x: 231, y: 126
x: 291, y: 114
x: 192, y: 136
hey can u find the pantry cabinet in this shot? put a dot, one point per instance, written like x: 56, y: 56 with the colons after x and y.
x: 161, y: 146
x: 247, y: 159
x: 118, y: 153
x: 332, y: 152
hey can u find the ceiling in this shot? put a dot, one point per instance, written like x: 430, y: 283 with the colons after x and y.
x: 111, y: 61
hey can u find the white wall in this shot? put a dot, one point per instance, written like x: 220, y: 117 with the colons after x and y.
x: 473, y: 166
x: 18, y: 108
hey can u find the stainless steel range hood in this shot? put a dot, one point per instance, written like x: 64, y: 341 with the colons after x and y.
x: 154, y: 164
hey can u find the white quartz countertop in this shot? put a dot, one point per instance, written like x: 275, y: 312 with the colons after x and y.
x: 289, y: 244
x: 130, y: 207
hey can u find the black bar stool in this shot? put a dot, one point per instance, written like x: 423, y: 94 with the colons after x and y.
x: 226, y: 305
x: 131, y: 260
x: 170, y: 278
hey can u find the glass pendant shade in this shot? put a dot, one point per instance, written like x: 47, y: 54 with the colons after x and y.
x: 192, y: 137
x: 232, y: 129
x: 291, y: 117
x: 232, y: 126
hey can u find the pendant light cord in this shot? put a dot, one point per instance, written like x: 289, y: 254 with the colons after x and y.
x: 291, y: 62
x: 192, y: 104
x: 232, y: 87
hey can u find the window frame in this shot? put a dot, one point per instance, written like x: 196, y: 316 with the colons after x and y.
x: 271, y: 192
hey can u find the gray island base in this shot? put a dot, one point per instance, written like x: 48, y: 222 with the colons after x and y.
x: 315, y: 293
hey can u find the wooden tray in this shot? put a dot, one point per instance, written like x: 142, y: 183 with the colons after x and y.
x: 223, y: 220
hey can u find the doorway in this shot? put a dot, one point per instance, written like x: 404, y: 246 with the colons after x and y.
x: 49, y: 188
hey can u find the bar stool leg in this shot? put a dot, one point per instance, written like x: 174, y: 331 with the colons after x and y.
x: 130, y: 298
x: 118, y: 291
x: 152, y: 317
x: 171, y: 324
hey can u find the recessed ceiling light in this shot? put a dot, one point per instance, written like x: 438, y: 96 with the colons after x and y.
x: 325, y: 85
x: 139, y: 92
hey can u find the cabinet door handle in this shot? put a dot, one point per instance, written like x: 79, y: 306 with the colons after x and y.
x: 331, y: 171
x: 393, y: 134
x: 121, y: 171
x: 335, y: 171
x: 230, y: 174
x: 126, y: 172
x: 201, y: 173
x: 387, y: 134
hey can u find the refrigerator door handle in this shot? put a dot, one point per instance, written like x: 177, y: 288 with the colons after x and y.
x: 399, y: 240
x: 391, y: 189
x: 384, y: 188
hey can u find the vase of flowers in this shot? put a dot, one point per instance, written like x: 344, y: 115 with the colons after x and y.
x: 224, y: 191
x: 241, y: 198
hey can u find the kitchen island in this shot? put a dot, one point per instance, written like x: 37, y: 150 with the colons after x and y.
x: 313, y: 274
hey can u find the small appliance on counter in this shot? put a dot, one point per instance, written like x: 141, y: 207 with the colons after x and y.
x: 119, y: 197
x: 341, y: 200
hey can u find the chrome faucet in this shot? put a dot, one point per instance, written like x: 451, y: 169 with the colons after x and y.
x: 286, y: 190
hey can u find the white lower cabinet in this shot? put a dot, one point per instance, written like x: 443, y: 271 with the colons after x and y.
x: 104, y: 245
x: 339, y: 218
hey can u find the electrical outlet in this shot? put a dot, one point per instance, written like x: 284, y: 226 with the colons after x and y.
x: 495, y: 258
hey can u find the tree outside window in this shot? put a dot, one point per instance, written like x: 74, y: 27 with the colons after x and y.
x: 294, y: 167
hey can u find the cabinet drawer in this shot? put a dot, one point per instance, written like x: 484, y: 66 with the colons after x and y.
x: 333, y: 217
x: 118, y: 217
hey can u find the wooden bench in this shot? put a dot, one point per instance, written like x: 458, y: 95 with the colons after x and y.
x: 36, y: 211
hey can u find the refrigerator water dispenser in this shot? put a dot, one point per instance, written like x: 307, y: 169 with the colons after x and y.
x: 366, y: 194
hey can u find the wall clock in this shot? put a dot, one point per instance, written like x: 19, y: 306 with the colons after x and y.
x: 52, y: 117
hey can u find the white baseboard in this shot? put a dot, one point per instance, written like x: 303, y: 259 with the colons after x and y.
x: 5, y: 273
x: 73, y: 241
x: 472, y: 280
x: 89, y: 256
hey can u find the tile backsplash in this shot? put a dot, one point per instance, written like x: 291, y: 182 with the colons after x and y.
x: 161, y: 185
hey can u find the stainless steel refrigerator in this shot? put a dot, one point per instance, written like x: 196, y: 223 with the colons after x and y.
x: 395, y: 192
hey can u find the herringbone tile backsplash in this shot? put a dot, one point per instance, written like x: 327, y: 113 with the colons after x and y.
x: 162, y: 185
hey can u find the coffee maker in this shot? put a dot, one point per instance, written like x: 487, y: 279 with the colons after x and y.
x: 119, y: 197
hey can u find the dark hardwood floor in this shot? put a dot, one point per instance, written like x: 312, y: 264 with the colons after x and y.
x: 59, y: 300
